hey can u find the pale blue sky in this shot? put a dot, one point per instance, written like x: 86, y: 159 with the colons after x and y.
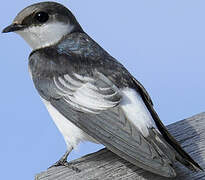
x: 162, y: 43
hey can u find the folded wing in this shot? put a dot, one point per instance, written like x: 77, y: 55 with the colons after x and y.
x: 93, y: 104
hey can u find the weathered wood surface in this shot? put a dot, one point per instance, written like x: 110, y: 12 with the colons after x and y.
x: 104, y: 165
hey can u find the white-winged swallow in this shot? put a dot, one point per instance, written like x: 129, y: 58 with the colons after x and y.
x: 90, y: 95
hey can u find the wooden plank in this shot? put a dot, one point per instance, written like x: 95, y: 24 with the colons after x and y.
x: 104, y: 165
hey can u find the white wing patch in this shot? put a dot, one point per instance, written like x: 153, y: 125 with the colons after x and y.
x: 94, y: 96
x: 87, y: 94
x: 136, y: 111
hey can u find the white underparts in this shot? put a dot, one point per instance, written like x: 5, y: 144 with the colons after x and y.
x: 136, y: 111
x: 45, y: 35
x: 71, y: 133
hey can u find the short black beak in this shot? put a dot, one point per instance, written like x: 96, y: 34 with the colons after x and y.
x: 13, y: 27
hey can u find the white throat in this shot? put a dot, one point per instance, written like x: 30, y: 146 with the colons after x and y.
x: 45, y: 35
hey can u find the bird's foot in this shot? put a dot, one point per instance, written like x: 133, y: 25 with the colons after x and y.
x: 59, y: 163
x: 63, y: 159
x: 66, y: 164
x: 63, y: 162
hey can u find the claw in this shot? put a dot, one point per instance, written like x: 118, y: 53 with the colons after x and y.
x: 59, y: 163
x: 63, y: 162
x: 66, y: 164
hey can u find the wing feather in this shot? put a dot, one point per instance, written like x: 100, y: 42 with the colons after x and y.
x: 87, y: 93
x: 112, y: 129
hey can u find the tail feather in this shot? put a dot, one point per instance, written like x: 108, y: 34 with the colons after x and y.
x: 189, y: 164
x: 180, y: 155
x: 171, y: 152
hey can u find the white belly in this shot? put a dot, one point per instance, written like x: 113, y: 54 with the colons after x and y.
x: 71, y: 133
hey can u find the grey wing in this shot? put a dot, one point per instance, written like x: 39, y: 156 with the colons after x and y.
x: 93, y: 104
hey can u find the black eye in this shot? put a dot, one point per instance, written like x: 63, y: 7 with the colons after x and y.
x: 41, y: 17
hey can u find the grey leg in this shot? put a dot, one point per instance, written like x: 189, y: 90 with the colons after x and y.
x: 63, y: 162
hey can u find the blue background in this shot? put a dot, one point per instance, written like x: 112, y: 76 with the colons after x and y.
x: 160, y: 42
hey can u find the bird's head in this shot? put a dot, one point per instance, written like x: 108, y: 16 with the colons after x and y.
x: 44, y: 24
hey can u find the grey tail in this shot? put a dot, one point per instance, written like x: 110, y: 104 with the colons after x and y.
x: 181, y: 156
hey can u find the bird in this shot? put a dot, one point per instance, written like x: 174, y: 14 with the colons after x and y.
x: 90, y: 95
